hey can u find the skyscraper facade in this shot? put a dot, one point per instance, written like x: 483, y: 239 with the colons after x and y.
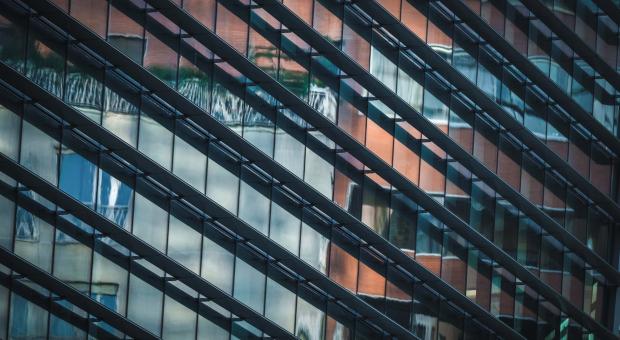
x: 313, y: 169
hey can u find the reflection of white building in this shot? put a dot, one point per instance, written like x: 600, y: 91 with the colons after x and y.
x: 75, y: 263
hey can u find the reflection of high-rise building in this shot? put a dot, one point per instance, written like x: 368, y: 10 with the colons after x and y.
x: 315, y: 169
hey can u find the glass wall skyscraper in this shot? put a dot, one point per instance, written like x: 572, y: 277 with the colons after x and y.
x: 313, y: 169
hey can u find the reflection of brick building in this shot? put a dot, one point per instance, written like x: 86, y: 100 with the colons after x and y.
x: 421, y: 236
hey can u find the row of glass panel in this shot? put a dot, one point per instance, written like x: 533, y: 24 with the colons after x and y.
x: 534, y: 233
x: 139, y: 143
x: 22, y: 318
x: 71, y: 261
x: 531, y: 37
x: 144, y: 124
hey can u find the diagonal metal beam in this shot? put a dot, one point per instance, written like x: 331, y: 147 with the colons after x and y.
x: 526, y: 67
x: 573, y: 41
x: 427, y: 275
x: 317, y: 223
x: 537, y: 215
x: 258, y: 76
x: 71, y: 294
x: 286, y: 177
x: 294, y: 23
x: 143, y: 249
x: 461, y: 82
x: 610, y: 9
x: 165, y: 92
x: 53, y: 306
x: 196, y: 198
x: 322, y: 229
x: 125, y: 261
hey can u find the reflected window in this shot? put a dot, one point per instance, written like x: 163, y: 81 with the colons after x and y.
x: 114, y: 199
x: 26, y: 227
x: 323, y: 99
x: 77, y: 177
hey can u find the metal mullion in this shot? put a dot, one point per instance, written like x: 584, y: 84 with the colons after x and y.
x: 365, y: 178
x: 552, y: 295
x: 169, y: 210
x: 19, y: 149
x: 392, y: 191
x: 98, y: 171
x: 125, y: 179
x: 469, y: 161
x: 14, y: 210
x: 49, y: 304
x: 140, y: 247
x: 72, y: 295
x: 338, y: 88
x: 445, y: 237
x: 571, y: 39
x: 498, y: 184
x: 246, y: 109
x: 104, y: 249
x: 136, y: 141
x: 204, y: 189
x: 610, y: 9
x: 369, y: 310
x: 187, y: 192
x: 63, y: 91
x: 525, y: 65
x: 223, y: 134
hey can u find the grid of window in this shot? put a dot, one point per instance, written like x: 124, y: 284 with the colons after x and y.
x: 333, y: 151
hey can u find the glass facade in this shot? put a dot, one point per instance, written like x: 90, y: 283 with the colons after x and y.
x: 310, y: 169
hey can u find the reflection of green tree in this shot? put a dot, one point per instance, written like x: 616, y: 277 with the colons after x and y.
x: 169, y: 74
x: 297, y: 82
x: 165, y: 73
x: 12, y: 50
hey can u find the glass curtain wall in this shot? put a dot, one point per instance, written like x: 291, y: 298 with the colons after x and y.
x: 158, y: 44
